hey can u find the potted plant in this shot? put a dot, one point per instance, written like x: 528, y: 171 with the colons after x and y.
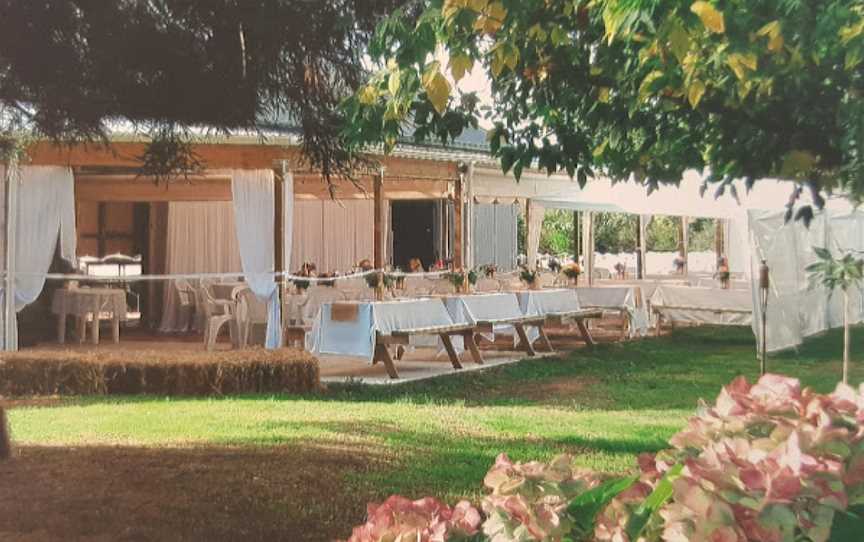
x: 457, y: 279
x: 572, y: 272
x: 844, y: 273
x: 529, y: 277
x: 373, y: 281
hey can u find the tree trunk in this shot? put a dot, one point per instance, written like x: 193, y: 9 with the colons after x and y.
x: 5, y: 444
x: 845, y: 337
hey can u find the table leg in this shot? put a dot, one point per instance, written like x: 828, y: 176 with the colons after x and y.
x: 468, y: 339
x: 115, y: 328
x: 61, y: 328
x: 94, y: 329
x: 544, y: 338
x: 451, y: 352
x: 523, y: 339
x: 382, y: 354
x: 583, y: 329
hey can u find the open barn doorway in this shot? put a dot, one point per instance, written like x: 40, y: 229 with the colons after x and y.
x: 413, y: 236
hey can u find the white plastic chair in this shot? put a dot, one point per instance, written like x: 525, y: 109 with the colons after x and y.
x: 251, y: 312
x: 187, y: 303
x: 216, y: 313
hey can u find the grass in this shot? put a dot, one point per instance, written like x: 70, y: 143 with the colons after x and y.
x: 604, y: 406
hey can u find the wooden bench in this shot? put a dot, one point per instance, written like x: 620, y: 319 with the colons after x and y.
x: 658, y: 310
x: 580, y: 316
x: 402, y: 337
x: 519, y: 323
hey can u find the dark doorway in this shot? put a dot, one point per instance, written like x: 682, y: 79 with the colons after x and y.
x: 412, y: 232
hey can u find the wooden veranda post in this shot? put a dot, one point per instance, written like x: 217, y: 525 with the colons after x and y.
x: 460, y: 223
x: 378, y: 231
x: 685, y: 242
x: 588, y: 244
x: 576, y: 236
x: 278, y: 222
x: 642, y: 246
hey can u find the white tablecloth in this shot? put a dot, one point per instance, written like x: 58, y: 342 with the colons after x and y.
x: 705, y: 305
x: 626, y: 298
x: 470, y: 309
x: 356, y: 338
x: 83, y: 301
x: 545, y: 302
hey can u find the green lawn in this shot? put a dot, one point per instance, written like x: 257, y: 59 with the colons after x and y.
x: 604, y: 406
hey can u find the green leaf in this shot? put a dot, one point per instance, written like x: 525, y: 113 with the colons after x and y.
x: 655, y: 501
x: 711, y: 18
x: 460, y: 65
x: 695, y: 92
x: 394, y: 82
x: 679, y: 41
x: 798, y: 163
x: 584, y: 508
x: 646, y: 89
x: 437, y: 87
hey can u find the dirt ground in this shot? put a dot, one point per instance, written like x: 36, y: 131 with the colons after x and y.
x: 107, y: 494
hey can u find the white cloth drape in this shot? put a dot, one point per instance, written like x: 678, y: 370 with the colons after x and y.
x: 44, y: 209
x: 536, y: 212
x: 334, y: 235
x: 201, y: 238
x: 254, y: 210
x: 287, y: 218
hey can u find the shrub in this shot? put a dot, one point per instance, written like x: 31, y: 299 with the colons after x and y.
x: 424, y: 520
x: 68, y: 372
x: 768, y: 462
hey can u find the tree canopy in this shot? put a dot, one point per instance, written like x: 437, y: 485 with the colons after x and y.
x: 68, y: 68
x: 745, y: 88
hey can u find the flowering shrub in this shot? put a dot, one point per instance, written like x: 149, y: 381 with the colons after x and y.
x: 768, y: 462
x: 425, y: 520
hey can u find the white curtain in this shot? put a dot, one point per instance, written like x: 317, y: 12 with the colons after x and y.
x: 44, y: 210
x: 287, y: 218
x: 254, y: 210
x: 334, y: 235
x: 201, y: 238
x: 536, y: 212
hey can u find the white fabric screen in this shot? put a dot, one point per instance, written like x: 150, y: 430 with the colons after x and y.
x: 536, y: 212
x: 44, y: 210
x: 796, y: 311
x: 254, y: 213
x: 201, y: 238
x: 334, y: 235
x: 494, y: 232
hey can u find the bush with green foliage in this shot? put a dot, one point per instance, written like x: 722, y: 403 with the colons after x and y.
x: 768, y: 462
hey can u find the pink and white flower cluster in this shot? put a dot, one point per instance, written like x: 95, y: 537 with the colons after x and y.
x: 768, y: 462
x: 425, y: 520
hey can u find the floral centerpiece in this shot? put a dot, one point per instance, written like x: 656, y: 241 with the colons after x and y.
x: 373, y: 280
x: 768, y: 462
x: 489, y: 270
x: 572, y: 271
x: 529, y: 277
x: 456, y: 278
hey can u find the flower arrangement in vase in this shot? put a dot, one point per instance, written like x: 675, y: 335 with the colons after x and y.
x: 572, y: 272
x: 529, y: 277
x: 489, y: 270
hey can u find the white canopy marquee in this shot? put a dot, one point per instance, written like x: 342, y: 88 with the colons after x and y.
x: 756, y: 230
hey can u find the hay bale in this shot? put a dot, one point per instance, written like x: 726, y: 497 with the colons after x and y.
x: 158, y: 372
